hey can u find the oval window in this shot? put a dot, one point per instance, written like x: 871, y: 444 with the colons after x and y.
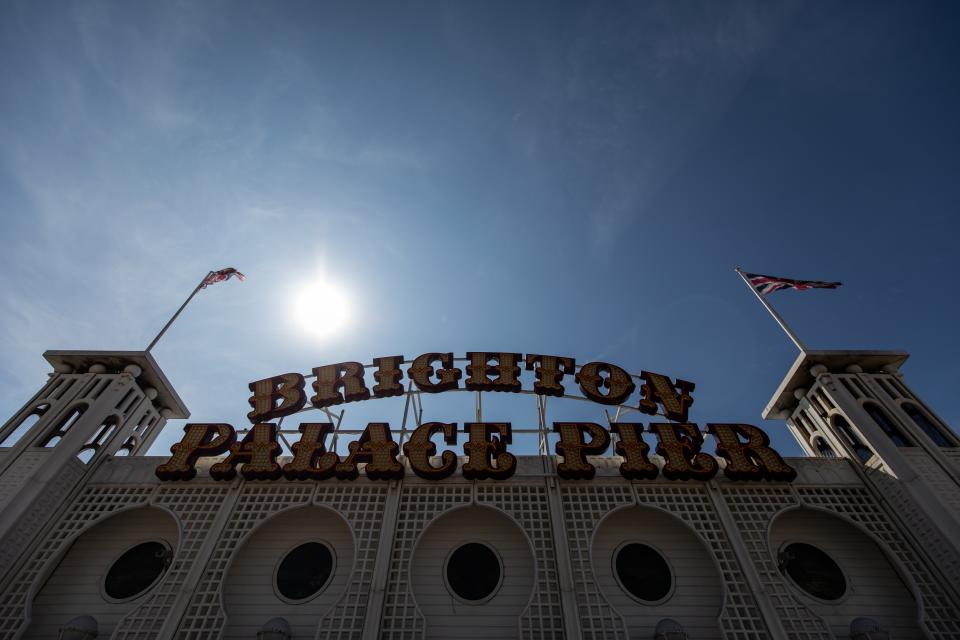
x: 643, y: 572
x: 138, y: 569
x: 304, y: 571
x: 813, y: 571
x: 473, y: 572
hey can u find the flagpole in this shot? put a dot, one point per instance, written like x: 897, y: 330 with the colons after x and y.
x: 182, y: 307
x: 776, y: 316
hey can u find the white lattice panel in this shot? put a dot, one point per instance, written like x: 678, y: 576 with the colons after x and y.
x: 76, y: 586
x: 205, y: 617
x: 497, y: 618
x: 250, y: 596
x: 30, y: 524
x: 943, y: 553
x: 91, y: 505
x: 754, y: 509
x: 941, y: 618
x: 583, y: 507
x: 419, y: 504
x: 947, y: 490
x: 360, y: 504
x: 953, y: 455
x: 195, y: 508
x: 740, y: 618
x: 362, y: 507
x: 18, y: 471
x: 543, y: 618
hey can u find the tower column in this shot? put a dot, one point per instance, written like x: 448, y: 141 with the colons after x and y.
x: 93, y: 403
x: 829, y: 387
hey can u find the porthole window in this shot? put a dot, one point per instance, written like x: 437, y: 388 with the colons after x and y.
x: 304, y: 571
x: 136, y: 570
x: 642, y: 572
x: 813, y: 571
x: 473, y: 572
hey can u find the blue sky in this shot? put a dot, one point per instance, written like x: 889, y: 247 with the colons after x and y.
x: 572, y: 179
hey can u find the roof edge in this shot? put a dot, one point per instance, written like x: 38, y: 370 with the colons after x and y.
x: 151, y: 374
x: 799, y: 375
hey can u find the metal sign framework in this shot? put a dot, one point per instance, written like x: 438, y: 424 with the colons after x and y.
x: 413, y: 404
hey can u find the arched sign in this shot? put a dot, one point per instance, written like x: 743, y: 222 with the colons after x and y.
x: 745, y: 448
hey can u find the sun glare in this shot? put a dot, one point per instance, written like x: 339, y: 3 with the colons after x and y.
x: 320, y: 309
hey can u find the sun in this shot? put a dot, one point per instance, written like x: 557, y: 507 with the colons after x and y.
x: 320, y: 309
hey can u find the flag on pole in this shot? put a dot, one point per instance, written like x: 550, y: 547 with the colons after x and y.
x: 219, y: 276
x: 768, y: 284
x: 211, y: 278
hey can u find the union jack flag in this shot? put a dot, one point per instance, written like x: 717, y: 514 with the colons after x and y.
x: 768, y: 284
x: 220, y: 276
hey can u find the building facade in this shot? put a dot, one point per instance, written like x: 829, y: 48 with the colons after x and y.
x: 864, y: 543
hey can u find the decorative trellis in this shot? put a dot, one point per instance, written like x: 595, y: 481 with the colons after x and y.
x: 18, y: 472
x: 205, y: 617
x: 196, y: 508
x: 528, y: 504
x: 363, y: 508
x: 921, y: 526
x: 583, y: 508
x: 419, y: 504
x: 754, y: 508
x: 32, y: 522
x: 941, y: 483
x: 940, y: 617
x: 93, y: 504
x: 740, y: 618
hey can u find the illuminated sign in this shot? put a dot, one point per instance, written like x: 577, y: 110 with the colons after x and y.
x: 744, y: 447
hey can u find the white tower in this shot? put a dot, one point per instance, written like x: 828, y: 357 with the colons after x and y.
x: 856, y: 405
x: 94, y: 405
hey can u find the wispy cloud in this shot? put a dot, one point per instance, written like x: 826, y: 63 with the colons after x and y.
x: 464, y: 174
